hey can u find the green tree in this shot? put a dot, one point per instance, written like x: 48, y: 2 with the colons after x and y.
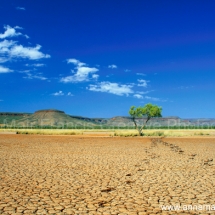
x: 149, y: 111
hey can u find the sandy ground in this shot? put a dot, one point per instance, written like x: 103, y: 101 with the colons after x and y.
x: 104, y: 175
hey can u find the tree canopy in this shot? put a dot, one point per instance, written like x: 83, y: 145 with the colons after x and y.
x: 149, y: 111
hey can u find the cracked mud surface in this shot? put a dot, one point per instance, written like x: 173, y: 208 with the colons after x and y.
x: 86, y: 175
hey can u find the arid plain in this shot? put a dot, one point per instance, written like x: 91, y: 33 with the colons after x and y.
x: 105, y: 175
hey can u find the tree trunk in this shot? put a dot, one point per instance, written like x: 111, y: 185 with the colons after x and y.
x: 141, y: 128
x: 140, y: 132
x: 138, y: 129
x: 144, y: 125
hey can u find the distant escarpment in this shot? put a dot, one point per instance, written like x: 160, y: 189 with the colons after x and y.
x: 49, y: 111
x: 8, y: 118
x: 13, y: 114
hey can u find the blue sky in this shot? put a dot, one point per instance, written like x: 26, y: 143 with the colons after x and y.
x: 98, y: 58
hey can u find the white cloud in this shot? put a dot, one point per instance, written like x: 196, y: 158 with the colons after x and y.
x: 127, y: 70
x: 5, y: 69
x: 60, y: 93
x: 11, y: 32
x: 31, y: 53
x: 138, y: 96
x: 113, y: 66
x: 142, y: 74
x: 81, y: 74
x: 113, y: 88
x: 67, y: 79
x: 20, y: 8
x: 11, y: 50
x: 76, y: 62
x: 5, y: 46
x: 142, y: 83
x: 95, y: 76
x: 69, y: 94
x: 18, y: 27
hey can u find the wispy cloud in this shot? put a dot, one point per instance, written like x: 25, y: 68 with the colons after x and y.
x: 141, y: 74
x: 114, y: 88
x: 20, y: 8
x: 142, y: 83
x: 3, y: 59
x: 1, y: 100
x: 127, y: 70
x: 144, y: 92
x: 35, y: 65
x: 155, y: 99
x: 60, y: 93
x: 5, y: 69
x: 5, y: 46
x: 24, y: 71
x: 185, y: 87
x: 82, y: 73
x: 138, y: 96
x: 69, y: 94
x: 112, y: 66
x: 29, y: 75
x: 10, y: 50
x: 11, y: 32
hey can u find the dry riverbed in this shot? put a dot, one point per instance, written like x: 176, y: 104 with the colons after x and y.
x: 105, y: 175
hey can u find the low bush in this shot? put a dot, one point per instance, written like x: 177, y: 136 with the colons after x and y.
x: 156, y: 133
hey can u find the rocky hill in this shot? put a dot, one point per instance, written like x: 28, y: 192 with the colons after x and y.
x: 52, y: 118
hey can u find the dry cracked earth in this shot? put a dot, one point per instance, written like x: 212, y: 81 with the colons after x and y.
x: 104, y: 175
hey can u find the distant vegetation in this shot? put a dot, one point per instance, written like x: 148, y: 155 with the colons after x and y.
x: 117, y: 132
x: 106, y: 127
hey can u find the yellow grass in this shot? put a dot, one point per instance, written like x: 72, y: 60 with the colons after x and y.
x: 117, y: 132
x: 168, y: 132
x: 44, y: 131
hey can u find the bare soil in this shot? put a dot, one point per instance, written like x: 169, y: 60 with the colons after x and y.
x: 105, y: 175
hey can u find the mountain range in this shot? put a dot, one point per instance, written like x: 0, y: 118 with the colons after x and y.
x: 59, y: 119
